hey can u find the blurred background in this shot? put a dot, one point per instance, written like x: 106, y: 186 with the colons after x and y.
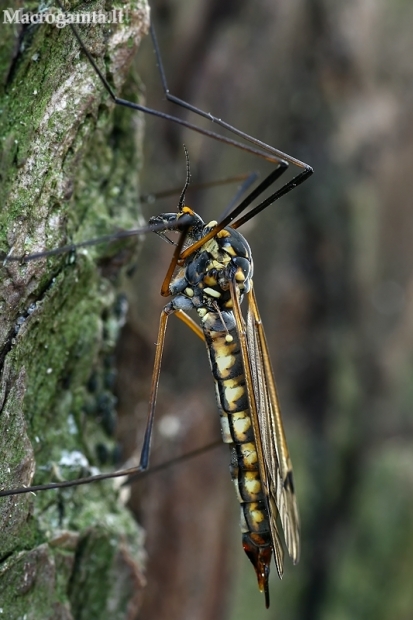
x: 331, y: 83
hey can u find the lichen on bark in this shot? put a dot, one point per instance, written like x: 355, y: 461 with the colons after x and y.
x: 77, y: 553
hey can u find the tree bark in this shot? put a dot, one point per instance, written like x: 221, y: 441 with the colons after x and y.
x: 68, y: 173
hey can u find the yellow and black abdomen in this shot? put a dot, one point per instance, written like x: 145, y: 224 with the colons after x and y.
x: 237, y: 431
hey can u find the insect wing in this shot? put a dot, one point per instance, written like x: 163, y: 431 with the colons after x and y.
x: 249, y: 359
x: 272, y: 452
x: 276, y: 459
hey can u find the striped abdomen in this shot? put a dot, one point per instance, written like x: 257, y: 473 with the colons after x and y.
x: 237, y: 431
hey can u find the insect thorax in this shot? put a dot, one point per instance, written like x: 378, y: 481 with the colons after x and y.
x: 203, y: 282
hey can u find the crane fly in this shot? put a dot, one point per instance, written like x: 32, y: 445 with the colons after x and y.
x: 210, y: 273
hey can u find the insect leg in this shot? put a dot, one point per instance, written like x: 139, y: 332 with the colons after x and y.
x: 260, y: 149
x: 185, y: 318
x: 174, y: 261
x: 144, y: 457
x: 277, y: 154
x: 269, y: 180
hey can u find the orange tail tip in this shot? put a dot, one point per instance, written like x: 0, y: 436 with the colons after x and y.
x: 259, y: 551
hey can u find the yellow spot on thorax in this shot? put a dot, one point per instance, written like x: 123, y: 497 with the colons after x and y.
x: 230, y: 250
x: 210, y: 281
x: 211, y: 292
x: 187, y: 210
x: 239, y: 275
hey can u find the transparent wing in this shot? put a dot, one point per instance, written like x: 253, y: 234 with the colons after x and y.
x: 273, y: 456
x: 277, y: 462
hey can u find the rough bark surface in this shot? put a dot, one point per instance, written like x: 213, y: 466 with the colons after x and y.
x: 64, y: 177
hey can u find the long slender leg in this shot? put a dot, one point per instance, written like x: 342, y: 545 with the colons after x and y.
x: 269, y: 180
x: 154, y: 469
x: 174, y: 261
x: 264, y: 150
x: 185, y: 318
x: 295, y: 182
x: 269, y: 153
x: 144, y: 458
x: 280, y: 155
